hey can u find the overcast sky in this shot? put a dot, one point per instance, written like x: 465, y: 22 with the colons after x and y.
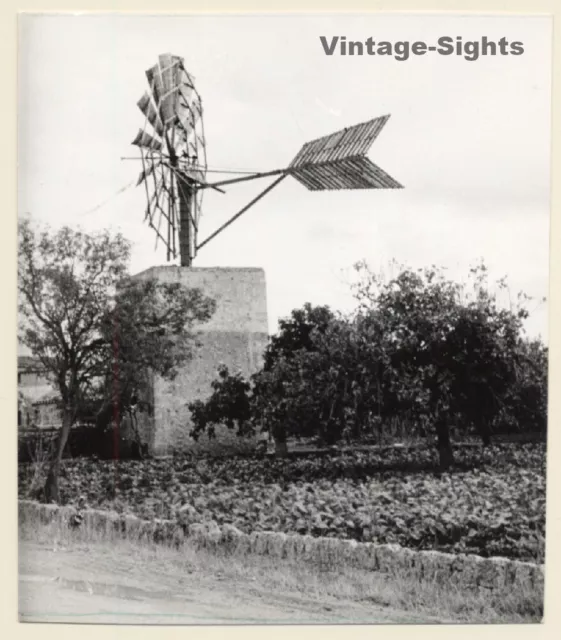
x: 469, y: 140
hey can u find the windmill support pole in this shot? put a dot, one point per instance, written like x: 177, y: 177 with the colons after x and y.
x: 242, y: 211
x: 186, y: 231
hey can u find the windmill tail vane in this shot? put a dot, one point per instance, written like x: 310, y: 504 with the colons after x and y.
x: 174, y: 160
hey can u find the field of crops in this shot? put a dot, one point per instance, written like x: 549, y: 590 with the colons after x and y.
x: 493, y: 503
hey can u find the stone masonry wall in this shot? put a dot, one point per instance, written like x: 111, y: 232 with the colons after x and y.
x: 236, y: 336
x: 463, y: 571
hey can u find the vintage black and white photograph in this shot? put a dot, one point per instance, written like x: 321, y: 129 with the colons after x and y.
x: 283, y: 318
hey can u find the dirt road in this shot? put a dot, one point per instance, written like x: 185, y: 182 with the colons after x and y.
x: 94, y: 585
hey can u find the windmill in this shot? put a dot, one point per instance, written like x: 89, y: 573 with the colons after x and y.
x: 174, y: 161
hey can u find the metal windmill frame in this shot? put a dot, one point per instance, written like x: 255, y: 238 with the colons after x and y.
x: 174, y: 160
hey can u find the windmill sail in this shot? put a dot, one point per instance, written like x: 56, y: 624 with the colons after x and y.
x: 173, y: 153
x: 338, y: 161
x: 147, y: 107
x: 146, y: 141
x: 172, y: 91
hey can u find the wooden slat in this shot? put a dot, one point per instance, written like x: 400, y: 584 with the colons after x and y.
x: 357, y: 172
x: 352, y: 141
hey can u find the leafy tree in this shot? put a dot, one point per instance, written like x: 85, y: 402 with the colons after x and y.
x: 229, y: 403
x: 146, y: 332
x: 525, y: 407
x: 321, y: 379
x: 97, y: 332
x: 296, y: 333
x: 258, y: 403
x: 332, y: 391
x: 454, y: 351
x: 419, y: 348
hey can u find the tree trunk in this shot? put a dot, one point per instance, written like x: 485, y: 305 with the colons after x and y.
x: 51, y: 492
x: 485, y: 433
x: 445, y: 452
x: 281, y: 447
x: 137, y: 436
x: 104, y: 416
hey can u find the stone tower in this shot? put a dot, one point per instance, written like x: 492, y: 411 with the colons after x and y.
x: 236, y: 336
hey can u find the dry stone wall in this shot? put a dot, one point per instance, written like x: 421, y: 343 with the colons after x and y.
x: 466, y: 571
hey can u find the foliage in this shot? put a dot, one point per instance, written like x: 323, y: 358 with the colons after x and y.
x: 495, y: 506
x: 229, y: 403
x: 419, y: 348
x: 269, y: 400
x: 65, y: 280
x: 296, y: 333
x: 525, y: 407
x: 452, y: 354
x: 148, y: 331
x: 96, y: 332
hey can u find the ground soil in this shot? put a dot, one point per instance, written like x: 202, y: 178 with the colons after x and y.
x: 93, y: 584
